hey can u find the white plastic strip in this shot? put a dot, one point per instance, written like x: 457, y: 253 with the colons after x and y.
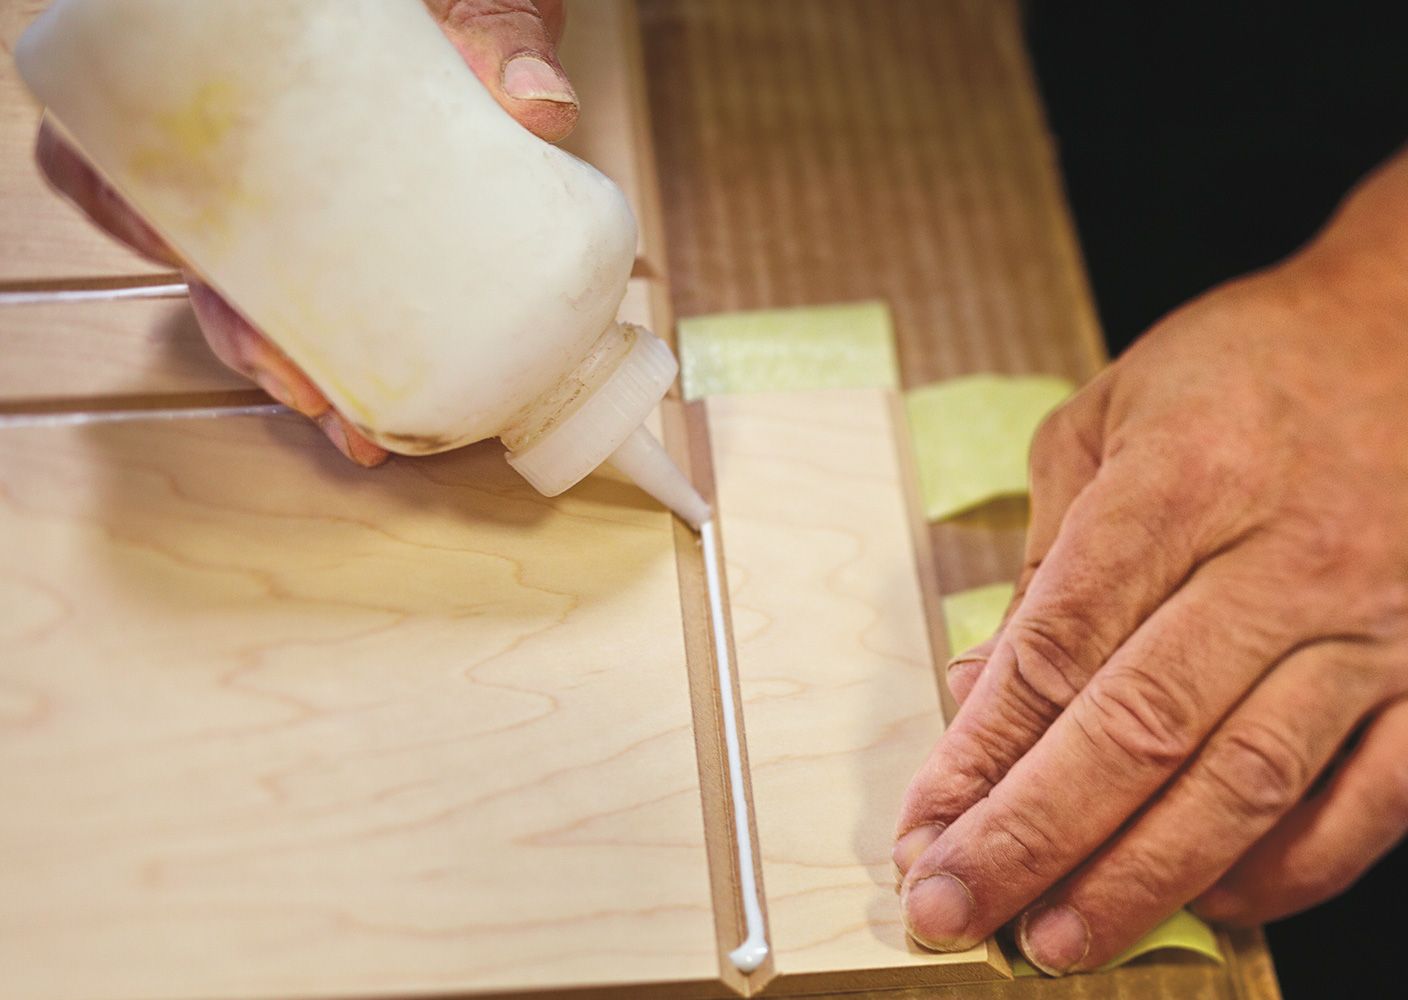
x: 10, y: 421
x: 48, y: 296
x: 754, y: 949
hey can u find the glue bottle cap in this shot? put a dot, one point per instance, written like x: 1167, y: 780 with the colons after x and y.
x: 608, y: 426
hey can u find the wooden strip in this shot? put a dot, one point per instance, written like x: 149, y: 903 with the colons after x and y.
x: 44, y: 291
x: 836, y: 674
x: 276, y: 726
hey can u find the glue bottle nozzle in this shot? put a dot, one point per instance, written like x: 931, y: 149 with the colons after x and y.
x: 642, y: 458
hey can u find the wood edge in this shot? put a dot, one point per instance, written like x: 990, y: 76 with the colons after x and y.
x: 673, y: 989
x: 925, y: 565
x: 93, y: 283
x: 997, y: 958
x: 655, y: 261
x: 1249, y: 966
x: 886, y: 982
x: 218, y: 398
x: 687, y: 440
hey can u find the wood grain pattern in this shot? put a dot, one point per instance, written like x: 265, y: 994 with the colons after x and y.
x: 836, y: 674
x: 271, y: 726
x: 87, y: 349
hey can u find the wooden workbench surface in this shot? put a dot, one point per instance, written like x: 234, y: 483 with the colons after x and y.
x: 837, y: 150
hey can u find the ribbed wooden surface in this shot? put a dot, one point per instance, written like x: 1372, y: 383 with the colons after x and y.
x: 835, y: 150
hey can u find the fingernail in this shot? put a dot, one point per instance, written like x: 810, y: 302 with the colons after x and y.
x: 305, y: 399
x: 1055, y: 939
x: 914, y: 843
x: 936, y: 912
x: 970, y: 657
x: 364, y: 451
x: 337, y: 434
x: 528, y: 78
x: 964, y: 670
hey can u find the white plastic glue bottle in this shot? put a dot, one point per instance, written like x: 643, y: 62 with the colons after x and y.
x: 336, y: 171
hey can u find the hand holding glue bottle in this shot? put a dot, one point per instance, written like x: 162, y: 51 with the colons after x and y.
x: 421, y: 270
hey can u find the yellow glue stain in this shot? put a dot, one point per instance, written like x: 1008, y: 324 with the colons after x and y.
x: 193, y: 155
x: 300, y: 329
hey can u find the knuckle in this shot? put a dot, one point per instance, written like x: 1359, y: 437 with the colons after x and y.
x: 1389, y: 614
x: 484, y: 13
x: 1050, y: 443
x: 1047, y: 665
x: 1323, y: 546
x: 1016, y: 841
x: 1258, y: 771
x: 974, y: 768
x: 1142, y: 717
x: 1146, y: 883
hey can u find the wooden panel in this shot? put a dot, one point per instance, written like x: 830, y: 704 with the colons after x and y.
x: 836, y: 674
x: 273, y: 726
x: 40, y: 235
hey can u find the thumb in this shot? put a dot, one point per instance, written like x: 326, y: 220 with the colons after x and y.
x: 512, y: 47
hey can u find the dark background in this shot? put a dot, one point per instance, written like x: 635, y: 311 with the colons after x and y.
x: 1200, y: 141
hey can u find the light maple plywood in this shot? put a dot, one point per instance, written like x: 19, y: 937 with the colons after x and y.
x: 41, y: 237
x: 273, y: 726
x: 836, y: 675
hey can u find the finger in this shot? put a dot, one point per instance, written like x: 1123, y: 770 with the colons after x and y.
x: 512, y: 47
x: 79, y: 182
x: 243, y: 348
x: 964, y: 669
x: 1065, y: 456
x: 1328, y: 841
x: 1254, y: 768
x: 1139, y: 719
x: 1124, y: 546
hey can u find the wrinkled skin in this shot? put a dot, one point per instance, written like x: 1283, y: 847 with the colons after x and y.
x: 1200, y: 692
x: 509, y: 44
